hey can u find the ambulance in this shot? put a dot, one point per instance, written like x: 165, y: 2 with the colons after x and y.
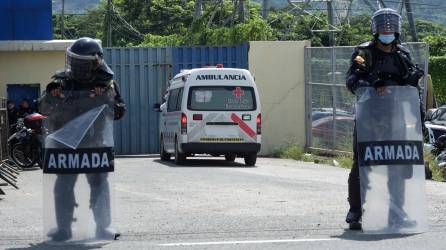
x: 212, y: 111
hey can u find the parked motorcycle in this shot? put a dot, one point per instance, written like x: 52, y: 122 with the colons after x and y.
x: 25, y: 145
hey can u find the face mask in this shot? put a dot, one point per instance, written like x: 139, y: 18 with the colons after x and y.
x: 386, y: 39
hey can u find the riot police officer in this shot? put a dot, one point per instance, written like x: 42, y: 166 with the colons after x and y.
x: 380, y: 62
x: 85, y: 83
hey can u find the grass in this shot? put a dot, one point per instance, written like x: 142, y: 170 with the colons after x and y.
x: 344, y: 161
x: 296, y: 152
x: 438, y: 173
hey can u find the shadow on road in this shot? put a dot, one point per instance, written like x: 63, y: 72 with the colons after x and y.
x: 46, y: 246
x: 203, y: 163
x: 360, y: 236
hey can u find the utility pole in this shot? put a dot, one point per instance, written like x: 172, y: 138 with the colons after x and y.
x: 413, y: 30
x: 265, y: 8
x: 198, y: 9
x: 62, y: 20
x: 331, y: 23
x: 109, y: 27
x: 242, y: 11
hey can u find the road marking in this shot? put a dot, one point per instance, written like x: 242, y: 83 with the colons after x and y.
x: 242, y: 242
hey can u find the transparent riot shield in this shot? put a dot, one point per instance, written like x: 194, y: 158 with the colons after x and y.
x: 390, y: 155
x: 78, y: 167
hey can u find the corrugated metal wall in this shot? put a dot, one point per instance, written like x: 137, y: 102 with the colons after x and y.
x: 140, y: 72
x: 199, y: 56
x: 143, y: 73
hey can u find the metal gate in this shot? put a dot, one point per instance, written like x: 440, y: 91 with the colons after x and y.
x: 141, y: 73
x: 200, y: 56
x: 329, y: 105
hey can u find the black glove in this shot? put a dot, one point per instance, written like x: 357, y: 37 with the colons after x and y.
x: 414, y: 77
x: 354, y: 83
x: 120, y: 109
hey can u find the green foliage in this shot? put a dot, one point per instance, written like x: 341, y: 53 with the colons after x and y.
x: 437, y: 66
x: 292, y: 152
x: 356, y: 32
x: 172, y: 22
x: 438, y: 174
x: 437, y: 45
x: 160, y: 40
x: 253, y: 30
x: 159, y: 17
x: 91, y: 24
x: 308, y: 158
x: 344, y: 161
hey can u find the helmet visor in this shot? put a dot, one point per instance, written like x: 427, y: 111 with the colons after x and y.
x: 81, y: 67
x: 386, y: 23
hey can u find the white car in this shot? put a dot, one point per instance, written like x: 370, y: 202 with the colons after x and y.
x: 212, y: 111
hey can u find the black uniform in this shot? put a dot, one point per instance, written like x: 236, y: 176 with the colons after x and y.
x: 76, y: 99
x: 380, y: 69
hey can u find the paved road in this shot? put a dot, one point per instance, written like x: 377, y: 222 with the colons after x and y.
x: 211, y: 204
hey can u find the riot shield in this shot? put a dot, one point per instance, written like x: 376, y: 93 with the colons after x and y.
x: 78, y: 167
x: 390, y: 155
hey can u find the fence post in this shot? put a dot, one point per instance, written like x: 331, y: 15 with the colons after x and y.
x: 308, y: 98
x: 333, y: 94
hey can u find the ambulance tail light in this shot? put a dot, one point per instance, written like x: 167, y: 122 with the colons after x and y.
x: 197, y: 117
x: 219, y: 66
x: 259, y: 124
x: 183, y: 123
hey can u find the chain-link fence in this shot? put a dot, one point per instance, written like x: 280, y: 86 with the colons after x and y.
x: 3, y: 130
x: 330, y: 106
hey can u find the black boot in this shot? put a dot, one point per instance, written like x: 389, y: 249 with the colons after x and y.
x: 60, y: 234
x: 354, y: 220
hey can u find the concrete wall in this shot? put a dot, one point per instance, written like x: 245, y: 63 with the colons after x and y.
x: 30, y: 62
x: 29, y: 67
x: 278, y: 68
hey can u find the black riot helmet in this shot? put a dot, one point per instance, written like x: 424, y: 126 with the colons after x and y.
x: 386, y: 20
x: 83, y: 57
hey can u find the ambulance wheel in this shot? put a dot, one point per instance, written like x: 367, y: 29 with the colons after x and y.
x: 250, y: 159
x: 163, y: 154
x: 180, y: 158
x: 230, y: 157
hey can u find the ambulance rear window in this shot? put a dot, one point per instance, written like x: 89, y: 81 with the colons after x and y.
x: 221, y: 98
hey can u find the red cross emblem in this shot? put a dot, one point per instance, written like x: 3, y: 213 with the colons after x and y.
x: 238, y: 92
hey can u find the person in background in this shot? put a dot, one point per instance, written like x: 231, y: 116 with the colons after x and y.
x: 24, y: 108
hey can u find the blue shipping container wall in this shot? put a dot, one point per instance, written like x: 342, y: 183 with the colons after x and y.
x: 140, y: 73
x: 26, y: 20
x: 143, y: 74
x: 200, y: 56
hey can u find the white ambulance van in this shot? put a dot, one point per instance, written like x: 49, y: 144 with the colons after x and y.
x: 212, y: 111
